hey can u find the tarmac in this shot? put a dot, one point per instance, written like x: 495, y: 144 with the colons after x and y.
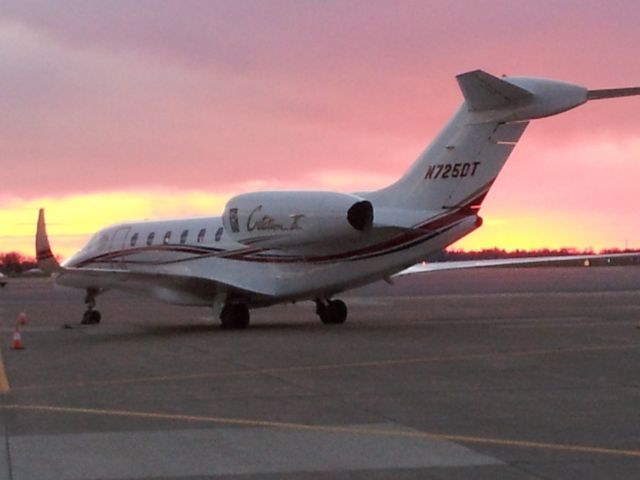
x: 485, y: 374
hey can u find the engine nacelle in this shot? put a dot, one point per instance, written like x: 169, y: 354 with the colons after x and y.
x: 279, y: 219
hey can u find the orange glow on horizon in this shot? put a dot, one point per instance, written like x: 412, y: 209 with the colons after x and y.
x: 72, y: 220
x: 532, y: 233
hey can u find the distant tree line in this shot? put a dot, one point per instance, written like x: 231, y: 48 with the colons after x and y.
x: 493, y: 253
x: 14, y: 263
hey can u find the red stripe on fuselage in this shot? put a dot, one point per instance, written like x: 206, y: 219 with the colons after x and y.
x: 420, y: 232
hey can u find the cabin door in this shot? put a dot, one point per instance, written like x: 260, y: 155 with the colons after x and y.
x: 117, y: 247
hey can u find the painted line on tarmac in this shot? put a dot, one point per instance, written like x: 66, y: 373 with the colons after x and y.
x: 325, y: 367
x: 4, y: 380
x: 559, y: 447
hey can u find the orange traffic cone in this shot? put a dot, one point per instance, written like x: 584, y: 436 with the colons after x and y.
x: 22, y: 319
x: 16, y: 343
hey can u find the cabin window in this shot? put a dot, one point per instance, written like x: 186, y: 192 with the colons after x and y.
x: 134, y: 240
x: 183, y: 237
x: 219, y: 234
x: 167, y: 237
x: 201, y: 234
x: 150, y: 238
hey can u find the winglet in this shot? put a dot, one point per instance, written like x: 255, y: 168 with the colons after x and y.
x: 46, y: 261
x: 483, y: 91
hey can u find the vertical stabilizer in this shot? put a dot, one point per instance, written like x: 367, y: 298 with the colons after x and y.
x: 46, y: 261
x: 459, y: 167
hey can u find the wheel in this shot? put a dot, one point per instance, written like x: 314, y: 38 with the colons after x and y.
x: 95, y: 316
x: 91, y: 317
x: 335, y: 312
x: 234, y: 317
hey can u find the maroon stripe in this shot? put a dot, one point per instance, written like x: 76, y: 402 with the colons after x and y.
x: 109, y: 256
x: 44, y: 254
x: 443, y: 221
x: 476, y: 197
x: 395, y: 243
x: 256, y: 254
x: 401, y: 239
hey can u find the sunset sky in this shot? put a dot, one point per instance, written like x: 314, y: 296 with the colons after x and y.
x: 125, y: 110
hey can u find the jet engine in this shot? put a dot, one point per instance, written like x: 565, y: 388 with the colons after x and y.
x: 279, y: 219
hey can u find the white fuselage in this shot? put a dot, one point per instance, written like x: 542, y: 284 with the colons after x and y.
x: 202, y: 249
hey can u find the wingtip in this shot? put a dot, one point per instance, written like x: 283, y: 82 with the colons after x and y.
x: 44, y: 256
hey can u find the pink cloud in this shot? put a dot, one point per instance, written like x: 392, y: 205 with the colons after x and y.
x: 218, y: 96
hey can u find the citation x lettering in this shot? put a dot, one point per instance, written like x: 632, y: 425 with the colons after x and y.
x: 256, y: 222
x: 289, y: 246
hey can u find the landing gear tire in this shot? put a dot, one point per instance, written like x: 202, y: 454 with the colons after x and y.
x: 91, y: 317
x: 333, y: 313
x: 234, y: 317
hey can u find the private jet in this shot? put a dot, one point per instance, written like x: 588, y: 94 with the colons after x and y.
x: 274, y: 247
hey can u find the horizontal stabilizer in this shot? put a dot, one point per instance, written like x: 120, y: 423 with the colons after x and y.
x: 483, y: 91
x: 612, y: 93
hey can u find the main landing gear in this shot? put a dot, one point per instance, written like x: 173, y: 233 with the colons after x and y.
x: 235, y: 316
x: 91, y: 316
x: 331, y: 312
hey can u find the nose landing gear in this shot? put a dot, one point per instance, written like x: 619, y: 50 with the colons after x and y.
x: 91, y: 316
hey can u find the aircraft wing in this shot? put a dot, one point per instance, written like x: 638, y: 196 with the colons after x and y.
x: 567, y: 260
x: 169, y: 287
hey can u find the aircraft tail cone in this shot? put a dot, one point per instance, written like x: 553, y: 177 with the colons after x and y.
x: 16, y: 343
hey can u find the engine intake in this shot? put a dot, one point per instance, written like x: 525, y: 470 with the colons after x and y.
x: 360, y: 215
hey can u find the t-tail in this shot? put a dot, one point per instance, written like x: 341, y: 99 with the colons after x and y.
x: 457, y: 170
